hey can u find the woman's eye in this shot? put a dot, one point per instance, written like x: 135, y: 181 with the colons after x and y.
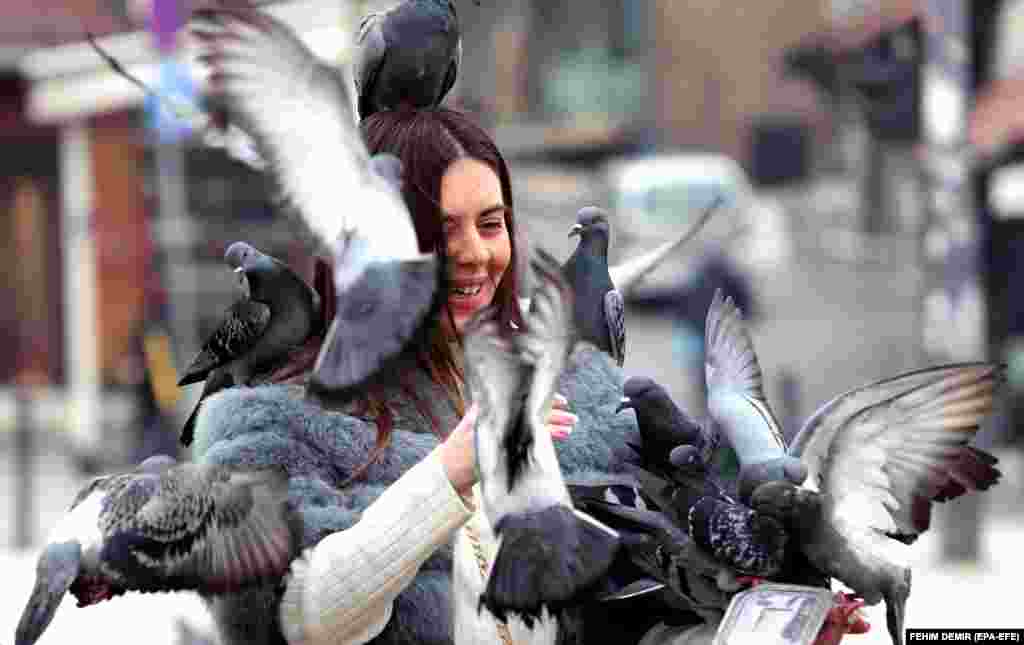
x: 492, y: 224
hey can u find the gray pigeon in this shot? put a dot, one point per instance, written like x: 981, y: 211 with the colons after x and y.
x: 549, y: 552
x: 669, y: 435
x: 407, y: 57
x: 164, y: 527
x: 599, y: 311
x: 879, y: 456
x: 280, y: 313
x: 737, y: 403
x: 299, y: 112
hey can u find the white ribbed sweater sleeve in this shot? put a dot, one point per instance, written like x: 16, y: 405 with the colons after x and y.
x: 341, y: 591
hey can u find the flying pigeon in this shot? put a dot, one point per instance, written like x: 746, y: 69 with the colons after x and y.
x: 299, y: 112
x: 880, y: 455
x: 164, y: 527
x: 599, y: 310
x: 549, y: 551
x: 407, y: 57
x: 737, y: 403
x: 280, y: 313
x: 669, y: 435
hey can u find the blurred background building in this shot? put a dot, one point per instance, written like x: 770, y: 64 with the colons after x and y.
x: 867, y: 149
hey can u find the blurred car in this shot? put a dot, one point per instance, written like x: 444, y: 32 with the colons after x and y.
x: 652, y: 198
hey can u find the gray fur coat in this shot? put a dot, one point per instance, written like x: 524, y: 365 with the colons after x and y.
x: 275, y: 425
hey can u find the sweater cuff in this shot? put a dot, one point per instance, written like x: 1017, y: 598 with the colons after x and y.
x: 341, y: 590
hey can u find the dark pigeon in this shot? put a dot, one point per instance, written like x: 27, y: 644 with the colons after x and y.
x: 300, y: 113
x: 165, y: 527
x: 407, y: 57
x: 258, y: 332
x: 669, y: 435
x: 549, y: 552
x: 880, y: 455
x: 748, y: 542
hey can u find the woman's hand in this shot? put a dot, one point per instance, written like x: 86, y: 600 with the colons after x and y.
x: 561, y: 422
x: 458, y: 452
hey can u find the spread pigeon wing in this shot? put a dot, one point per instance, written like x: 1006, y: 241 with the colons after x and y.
x: 615, y: 317
x: 243, y: 324
x: 883, y: 452
x: 205, y: 527
x: 300, y: 113
x: 627, y: 274
x: 735, y: 382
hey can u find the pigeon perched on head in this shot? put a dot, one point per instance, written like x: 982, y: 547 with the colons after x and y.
x: 407, y: 57
x: 737, y: 403
x: 879, y: 456
x: 549, y: 551
x: 164, y: 527
x: 669, y: 435
x: 299, y: 112
x: 280, y: 313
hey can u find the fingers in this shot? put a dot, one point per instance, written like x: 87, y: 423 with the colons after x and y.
x: 559, y: 402
x: 468, y: 420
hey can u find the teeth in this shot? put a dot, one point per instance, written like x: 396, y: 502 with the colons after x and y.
x: 466, y: 291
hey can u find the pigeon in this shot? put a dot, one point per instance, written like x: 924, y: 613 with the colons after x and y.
x: 164, y: 527
x: 599, y: 310
x: 407, y: 57
x: 669, y: 435
x: 280, y: 313
x: 748, y: 542
x: 549, y: 552
x: 737, y: 403
x: 664, y: 553
x: 879, y: 456
x: 299, y: 111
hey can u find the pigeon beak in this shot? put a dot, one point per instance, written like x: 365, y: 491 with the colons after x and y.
x: 577, y: 229
x: 57, y: 569
x: 624, y: 403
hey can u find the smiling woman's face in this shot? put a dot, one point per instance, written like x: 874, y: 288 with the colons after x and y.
x: 478, y: 243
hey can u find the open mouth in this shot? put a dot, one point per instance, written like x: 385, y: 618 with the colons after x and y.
x: 468, y: 291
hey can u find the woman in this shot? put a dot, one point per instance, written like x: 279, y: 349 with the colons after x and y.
x: 383, y: 568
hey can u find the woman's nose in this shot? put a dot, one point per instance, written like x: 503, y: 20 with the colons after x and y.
x: 469, y: 248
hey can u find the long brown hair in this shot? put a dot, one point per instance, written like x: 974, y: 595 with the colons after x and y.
x: 427, y: 142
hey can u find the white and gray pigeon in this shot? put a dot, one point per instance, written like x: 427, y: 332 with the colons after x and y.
x: 878, y: 456
x: 599, y: 311
x: 256, y: 333
x: 549, y: 552
x: 407, y: 57
x: 164, y: 527
x: 737, y: 403
x: 299, y: 112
